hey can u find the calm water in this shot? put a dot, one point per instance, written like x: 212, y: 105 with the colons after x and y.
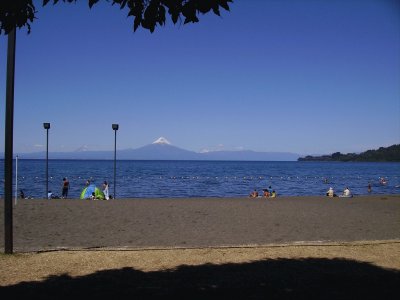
x: 205, y: 178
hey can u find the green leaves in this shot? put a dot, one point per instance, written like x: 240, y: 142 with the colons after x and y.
x: 147, y: 14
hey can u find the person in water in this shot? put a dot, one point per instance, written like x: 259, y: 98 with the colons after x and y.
x: 382, y: 180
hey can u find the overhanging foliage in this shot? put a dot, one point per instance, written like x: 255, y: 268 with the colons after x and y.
x: 147, y: 14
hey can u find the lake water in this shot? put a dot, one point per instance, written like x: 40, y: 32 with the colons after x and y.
x: 162, y: 179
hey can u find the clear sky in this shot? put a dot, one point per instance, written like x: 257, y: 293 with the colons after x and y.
x: 302, y: 76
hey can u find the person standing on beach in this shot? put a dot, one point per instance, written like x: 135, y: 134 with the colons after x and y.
x: 65, y: 188
x: 369, y: 187
x: 105, y: 190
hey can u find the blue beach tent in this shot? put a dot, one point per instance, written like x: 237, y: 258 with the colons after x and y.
x: 89, y: 190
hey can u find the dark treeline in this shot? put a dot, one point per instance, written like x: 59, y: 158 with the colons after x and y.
x: 391, y: 153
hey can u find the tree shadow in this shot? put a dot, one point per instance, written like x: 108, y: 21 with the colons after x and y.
x: 310, y: 278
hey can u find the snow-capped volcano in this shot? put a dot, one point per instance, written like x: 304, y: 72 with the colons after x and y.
x: 162, y: 140
x: 161, y: 149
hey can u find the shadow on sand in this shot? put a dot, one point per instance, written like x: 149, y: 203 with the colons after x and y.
x: 266, y: 279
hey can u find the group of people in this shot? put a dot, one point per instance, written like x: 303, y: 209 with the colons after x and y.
x: 346, y: 193
x: 95, y: 194
x: 65, y: 190
x: 267, y: 193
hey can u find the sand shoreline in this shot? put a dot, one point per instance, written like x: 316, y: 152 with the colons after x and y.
x: 200, y: 222
x: 205, y: 248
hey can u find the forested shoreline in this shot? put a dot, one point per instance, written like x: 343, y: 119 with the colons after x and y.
x: 389, y: 154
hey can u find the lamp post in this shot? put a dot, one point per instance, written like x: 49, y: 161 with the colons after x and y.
x: 47, y: 127
x: 115, y: 128
x: 8, y: 143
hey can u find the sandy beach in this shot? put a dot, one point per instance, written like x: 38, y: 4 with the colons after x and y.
x: 206, y: 248
x: 201, y: 222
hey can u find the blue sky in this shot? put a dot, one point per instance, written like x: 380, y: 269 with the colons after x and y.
x: 309, y: 77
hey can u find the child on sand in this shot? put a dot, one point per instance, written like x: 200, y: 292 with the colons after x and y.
x: 266, y: 193
x: 330, y: 192
x: 253, y: 194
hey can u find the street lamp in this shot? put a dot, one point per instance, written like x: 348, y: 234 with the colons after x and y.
x: 8, y: 145
x: 47, y: 127
x: 115, y: 128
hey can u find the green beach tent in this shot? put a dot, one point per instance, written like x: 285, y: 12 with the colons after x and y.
x: 89, y: 190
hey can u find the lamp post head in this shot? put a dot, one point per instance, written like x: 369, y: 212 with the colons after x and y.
x: 115, y: 126
x: 46, y: 125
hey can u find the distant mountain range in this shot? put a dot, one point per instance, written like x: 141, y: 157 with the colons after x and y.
x: 161, y: 149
